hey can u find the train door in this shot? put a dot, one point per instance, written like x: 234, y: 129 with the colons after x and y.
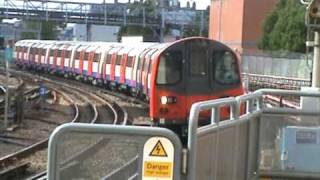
x: 114, y: 60
x: 95, y: 64
x: 152, y: 58
x: 28, y: 53
x: 146, y: 71
x: 91, y: 57
x: 55, y: 58
x: 117, y: 67
x: 83, y: 55
x: 141, y: 62
x: 129, y: 71
x: 198, y: 85
x: 136, y: 67
x: 107, y: 66
x: 84, y: 67
x: 30, y: 59
x: 59, y: 57
x: 123, y: 68
x: 63, y: 57
x: 102, y: 62
x: 39, y: 55
x: 43, y: 55
x: 70, y: 63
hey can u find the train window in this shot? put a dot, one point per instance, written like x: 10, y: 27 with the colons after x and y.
x: 77, y: 55
x: 225, y: 69
x: 96, y: 57
x: 51, y: 52
x: 170, y: 68
x: 118, y: 60
x: 43, y: 52
x: 129, y: 61
x: 59, y: 53
x: 86, y: 56
x: 198, y: 60
x: 108, y: 60
x: 67, y: 54
x: 146, y: 65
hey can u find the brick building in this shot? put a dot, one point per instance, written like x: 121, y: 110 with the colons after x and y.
x: 238, y: 23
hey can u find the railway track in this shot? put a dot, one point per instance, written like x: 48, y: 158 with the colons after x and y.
x: 92, y: 104
x: 13, y: 165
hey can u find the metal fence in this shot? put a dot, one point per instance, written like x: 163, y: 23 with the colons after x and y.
x: 264, y: 141
x: 288, y: 65
x: 258, y: 140
x: 83, y: 151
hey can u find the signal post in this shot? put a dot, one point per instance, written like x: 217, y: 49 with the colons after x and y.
x: 312, y: 20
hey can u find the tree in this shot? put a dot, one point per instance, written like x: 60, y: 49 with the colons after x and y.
x: 284, y: 28
x: 48, y: 31
x: 148, y: 33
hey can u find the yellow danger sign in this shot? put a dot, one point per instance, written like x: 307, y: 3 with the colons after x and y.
x: 157, y: 169
x: 158, y: 159
x: 158, y: 150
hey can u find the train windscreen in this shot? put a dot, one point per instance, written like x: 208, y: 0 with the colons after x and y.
x: 225, y: 68
x: 170, y: 68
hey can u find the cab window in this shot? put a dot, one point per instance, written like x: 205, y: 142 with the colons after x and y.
x: 225, y: 68
x: 170, y: 68
x: 198, y: 59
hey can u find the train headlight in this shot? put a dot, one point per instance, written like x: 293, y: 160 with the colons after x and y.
x: 168, y: 100
x: 164, y: 100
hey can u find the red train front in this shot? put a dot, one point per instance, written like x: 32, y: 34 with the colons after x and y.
x: 189, y: 71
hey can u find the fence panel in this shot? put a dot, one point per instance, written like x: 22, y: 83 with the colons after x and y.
x: 82, y: 151
x: 220, y: 150
x: 295, y: 66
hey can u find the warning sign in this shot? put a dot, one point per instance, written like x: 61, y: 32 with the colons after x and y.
x: 157, y: 169
x: 158, y: 150
x: 158, y: 159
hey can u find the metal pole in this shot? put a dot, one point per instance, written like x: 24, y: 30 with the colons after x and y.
x: 201, y: 23
x: 162, y: 25
x: 105, y: 11
x: 7, y: 96
x: 144, y: 16
x: 316, y: 61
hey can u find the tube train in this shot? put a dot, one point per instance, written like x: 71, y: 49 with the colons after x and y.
x: 170, y: 76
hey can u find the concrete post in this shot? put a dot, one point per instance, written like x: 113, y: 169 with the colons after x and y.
x: 316, y: 61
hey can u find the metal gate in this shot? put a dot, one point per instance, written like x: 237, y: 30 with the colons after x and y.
x: 85, y: 151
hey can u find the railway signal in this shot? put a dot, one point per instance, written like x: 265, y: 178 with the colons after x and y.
x: 313, y: 23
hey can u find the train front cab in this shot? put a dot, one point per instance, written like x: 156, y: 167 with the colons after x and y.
x: 189, y: 71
